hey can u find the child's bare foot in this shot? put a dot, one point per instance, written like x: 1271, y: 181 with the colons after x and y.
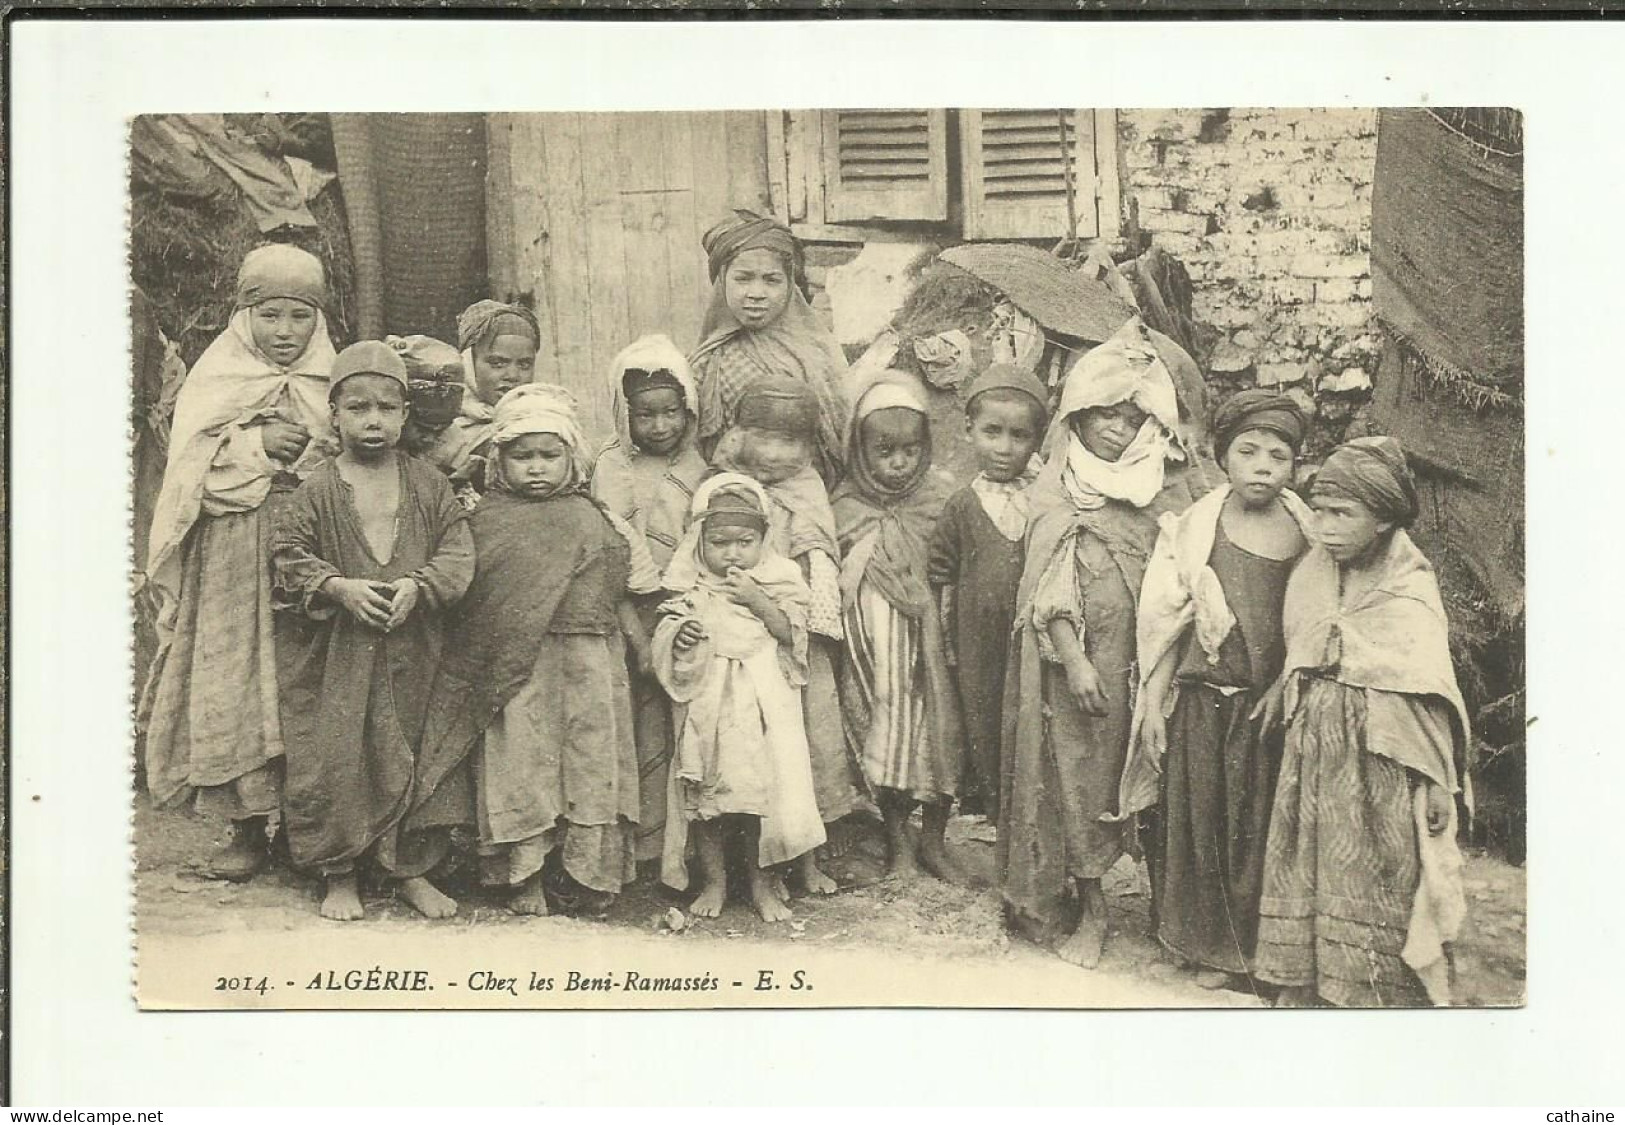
x: 1083, y: 946
x: 814, y: 881
x: 767, y: 903
x: 427, y: 899
x: 530, y: 899
x: 937, y: 860
x: 709, y: 902
x: 902, y: 865
x: 342, y: 902
x: 1297, y: 996
x: 244, y: 853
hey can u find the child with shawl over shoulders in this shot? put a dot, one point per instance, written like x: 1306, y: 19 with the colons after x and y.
x: 498, y: 343
x: 902, y: 716
x: 732, y: 652
x: 367, y: 555
x: 1362, y: 876
x: 532, y: 695
x: 251, y: 422
x: 759, y: 323
x: 1115, y: 465
x: 1209, y: 645
x: 977, y: 552
x: 772, y: 441
x: 647, y: 476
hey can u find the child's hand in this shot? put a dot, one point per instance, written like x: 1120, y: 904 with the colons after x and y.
x: 689, y: 634
x: 283, y: 441
x: 1438, y: 808
x: 403, y: 600
x: 367, y: 602
x: 745, y: 591
x: 1154, y: 735
x: 1084, y: 681
x: 1267, y: 712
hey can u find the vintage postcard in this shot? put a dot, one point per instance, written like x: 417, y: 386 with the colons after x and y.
x: 972, y: 557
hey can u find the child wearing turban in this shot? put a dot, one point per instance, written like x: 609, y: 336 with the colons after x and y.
x: 1209, y: 644
x: 1362, y: 893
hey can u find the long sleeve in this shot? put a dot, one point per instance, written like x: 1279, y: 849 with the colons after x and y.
x: 943, y: 554
x: 297, y: 567
x: 445, y: 578
x: 1058, y: 597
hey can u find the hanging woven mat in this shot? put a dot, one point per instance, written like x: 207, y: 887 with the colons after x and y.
x: 1062, y: 300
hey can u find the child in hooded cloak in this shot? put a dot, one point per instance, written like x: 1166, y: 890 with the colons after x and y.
x: 902, y: 717
x: 532, y: 693
x: 367, y: 555
x: 251, y: 423
x: 1115, y: 465
x: 647, y: 476
x: 1209, y: 644
x: 732, y: 652
x: 1362, y: 890
x: 772, y: 441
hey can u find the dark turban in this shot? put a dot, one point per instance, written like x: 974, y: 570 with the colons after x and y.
x: 484, y: 321
x: 748, y: 231
x: 1258, y: 410
x: 637, y: 380
x: 780, y: 403
x: 1373, y: 471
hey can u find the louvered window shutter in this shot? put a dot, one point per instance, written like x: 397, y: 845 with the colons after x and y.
x: 885, y: 164
x: 1015, y: 181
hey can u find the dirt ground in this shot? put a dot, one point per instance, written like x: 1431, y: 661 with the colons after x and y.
x: 925, y: 917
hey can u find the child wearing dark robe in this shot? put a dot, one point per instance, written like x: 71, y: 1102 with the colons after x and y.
x: 252, y: 421
x: 901, y: 715
x: 368, y: 555
x: 977, y: 552
x: 533, y: 694
x: 1209, y: 644
x: 1363, y: 894
x: 1115, y: 464
x: 646, y: 477
x: 731, y: 650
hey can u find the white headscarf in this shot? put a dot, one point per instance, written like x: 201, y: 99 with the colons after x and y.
x: 1126, y: 368
x: 539, y: 408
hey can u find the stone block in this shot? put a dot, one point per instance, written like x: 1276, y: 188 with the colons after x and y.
x: 1280, y: 374
x: 1320, y: 265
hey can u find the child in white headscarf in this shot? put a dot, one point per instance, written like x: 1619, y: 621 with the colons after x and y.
x: 732, y: 653
x: 1114, y: 466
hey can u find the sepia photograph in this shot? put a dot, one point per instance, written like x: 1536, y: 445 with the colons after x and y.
x: 783, y: 558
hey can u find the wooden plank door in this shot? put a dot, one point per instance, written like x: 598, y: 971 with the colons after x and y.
x: 608, y: 213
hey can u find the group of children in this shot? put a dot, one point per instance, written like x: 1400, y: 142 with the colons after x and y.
x: 398, y: 595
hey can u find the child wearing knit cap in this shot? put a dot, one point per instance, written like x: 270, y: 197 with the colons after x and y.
x: 977, y: 552
x: 368, y: 554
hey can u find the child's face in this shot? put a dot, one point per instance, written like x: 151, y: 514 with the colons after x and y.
x: 1106, y: 431
x: 757, y: 287
x: 418, y: 436
x: 772, y: 456
x: 535, y: 465
x: 657, y: 419
x: 1347, y: 528
x: 369, y: 412
x: 1258, y: 463
x: 1004, y: 433
x: 501, y: 365
x: 727, y: 547
x: 892, y: 444
x: 282, y: 328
